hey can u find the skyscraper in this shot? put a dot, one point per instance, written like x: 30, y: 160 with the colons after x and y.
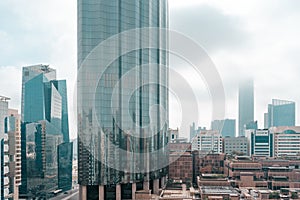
x: 44, y: 127
x: 246, y: 104
x: 281, y: 113
x: 115, y: 146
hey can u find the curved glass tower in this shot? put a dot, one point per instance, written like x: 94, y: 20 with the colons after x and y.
x: 122, y: 97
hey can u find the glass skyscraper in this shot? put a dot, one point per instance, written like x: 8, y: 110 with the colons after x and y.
x: 281, y: 113
x: 246, y: 105
x: 226, y: 127
x: 118, y: 152
x: 44, y: 127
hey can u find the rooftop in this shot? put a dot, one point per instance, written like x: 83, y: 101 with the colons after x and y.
x: 218, y: 190
x: 3, y: 98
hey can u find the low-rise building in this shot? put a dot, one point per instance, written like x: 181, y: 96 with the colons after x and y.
x: 218, y: 192
x: 236, y: 145
x: 286, y: 141
x: 180, y: 162
x: 208, y: 141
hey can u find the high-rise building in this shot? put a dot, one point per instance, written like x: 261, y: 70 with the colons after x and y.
x: 208, y: 141
x: 65, y: 160
x: 281, y: 113
x: 13, y: 132
x: 246, y: 104
x: 114, y: 142
x: 226, y: 127
x: 44, y: 127
x: 4, y: 169
x: 261, y: 142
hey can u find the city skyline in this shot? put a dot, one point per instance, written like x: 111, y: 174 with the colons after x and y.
x: 265, y: 54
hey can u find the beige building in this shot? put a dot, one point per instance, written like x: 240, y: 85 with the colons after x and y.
x: 13, y: 131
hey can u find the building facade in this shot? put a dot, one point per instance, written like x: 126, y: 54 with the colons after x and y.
x: 44, y: 127
x: 181, y: 162
x: 281, y: 113
x: 12, y: 128
x: 236, y: 145
x: 208, y: 141
x: 261, y: 142
x: 246, y: 104
x: 4, y: 169
x: 226, y: 127
x: 110, y: 130
x: 65, y: 160
x: 286, y: 141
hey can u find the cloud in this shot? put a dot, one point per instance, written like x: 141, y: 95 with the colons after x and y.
x: 209, y: 26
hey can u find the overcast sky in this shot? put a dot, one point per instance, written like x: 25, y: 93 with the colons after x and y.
x: 243, y: 38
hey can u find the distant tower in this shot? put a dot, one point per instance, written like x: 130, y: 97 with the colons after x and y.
x: 246, y: 104
x: 281, y: 113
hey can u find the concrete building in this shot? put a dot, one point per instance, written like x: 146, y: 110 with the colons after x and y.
x: 236, y: 145
x: 226, y: 127
x: 261, y: 142
x: 13, y: 132
x: 114, y: 134
x: 181, y: 162
x: 4, y: 158
x: 218, y: 193
x: 246, y: 104
x: 286, y: 141
x: 281, y: 113
x: 243, y: 172
x: 173, y: 134
x: 263, y: 173
x: 208, y: 141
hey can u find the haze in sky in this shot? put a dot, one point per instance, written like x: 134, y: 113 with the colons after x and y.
x: 243, y: 38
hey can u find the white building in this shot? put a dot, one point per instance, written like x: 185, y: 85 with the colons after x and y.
x: 286, y: 140
x: 260, y: 142
x: 208, y: 141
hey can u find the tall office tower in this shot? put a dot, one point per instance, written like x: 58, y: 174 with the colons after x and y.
x: 281, y: 113
x: 226, y: 127
x: 31, y: 72
x: 44, y: 127
x: 118, y: 152
x: 246, y: 104
x: 13, y: 131
x: 4, y: 181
